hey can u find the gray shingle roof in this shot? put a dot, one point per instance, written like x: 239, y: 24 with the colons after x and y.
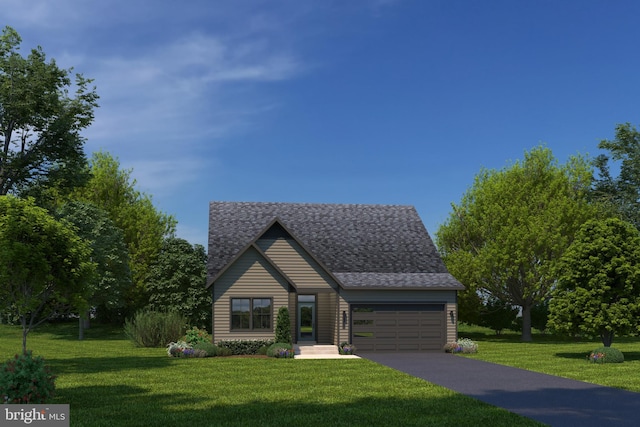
x: 399, y: 280
x: 346, y: 238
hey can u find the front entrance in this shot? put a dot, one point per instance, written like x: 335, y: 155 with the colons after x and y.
x: 306, y: 317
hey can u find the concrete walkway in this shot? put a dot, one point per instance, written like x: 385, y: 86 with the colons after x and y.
x: 551, y: 400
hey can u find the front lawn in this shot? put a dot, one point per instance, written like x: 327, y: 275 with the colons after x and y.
x: 558, y: 356
x: 109, y: 382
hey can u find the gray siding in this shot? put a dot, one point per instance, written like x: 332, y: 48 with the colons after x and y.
x: 250, y: 276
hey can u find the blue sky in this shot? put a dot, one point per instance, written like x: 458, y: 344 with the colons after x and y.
x: 380, y: 101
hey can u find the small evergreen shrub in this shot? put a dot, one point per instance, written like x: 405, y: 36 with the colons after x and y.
x: 280, y: 350
x: 244, y: 347
x: 283, y: 325
x: 196, y: 335
x: 155, y: 328
x: 223, y: 352
x: 26, y: 379
x: 207, y: 347
x: 606, y: 355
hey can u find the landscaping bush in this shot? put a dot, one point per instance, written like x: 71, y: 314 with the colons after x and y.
x: 26, y: 379
x: 283, y: 325
x: 280, y: 350
x: 244, y: 347
x: 207, y: 347
x: 184, y: 349
x: 346, y: 348
x: 463, y: 345
x: 223, y: 352
x: 154, y: 328
x: 606, y: 355
x: 196, y: 335
x: 175, y: 349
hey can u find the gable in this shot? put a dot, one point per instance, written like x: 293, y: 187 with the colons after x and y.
x: 293, y: 260
x: 250, y: 274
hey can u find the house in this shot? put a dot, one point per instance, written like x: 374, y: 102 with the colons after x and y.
x: 365, y: 274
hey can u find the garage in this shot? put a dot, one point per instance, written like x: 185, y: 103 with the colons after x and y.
x: 398, y: 327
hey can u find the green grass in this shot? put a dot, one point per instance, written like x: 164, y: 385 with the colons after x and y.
x: 558, y: 356
x: 109, y: 382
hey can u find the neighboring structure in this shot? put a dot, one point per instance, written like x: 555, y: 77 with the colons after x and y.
x: 366, y: 274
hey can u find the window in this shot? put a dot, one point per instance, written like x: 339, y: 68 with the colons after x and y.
x: 251, y: 313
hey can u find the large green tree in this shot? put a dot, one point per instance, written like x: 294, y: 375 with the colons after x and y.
x: 598, y: 289
x: 177, y: 281
x: 44, y: 265
x: 109, y: 252
x: 513, y: 225
x: 144, y: 228
x: 622, y: 192
x: 40, y: 122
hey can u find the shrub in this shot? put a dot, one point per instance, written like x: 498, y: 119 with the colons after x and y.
x: 26, y: 379
x: 283, y: 326
x: 207, y: 347
x: 606, y: 355
x: 346, y: 348
x: 244, y: 347
x: 223, y: 352
x: 463, y: 345
x: 176, y: 349
x: 195, y: 335
x: 154, y: 328
x: 280, y: 349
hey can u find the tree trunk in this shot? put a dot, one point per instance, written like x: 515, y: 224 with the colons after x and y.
x: 25, y: 331
x: 607, y: 338
x: 80, y: 328
x: 526, y: 323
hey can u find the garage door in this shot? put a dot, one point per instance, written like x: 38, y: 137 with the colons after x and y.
x: 398, y: 327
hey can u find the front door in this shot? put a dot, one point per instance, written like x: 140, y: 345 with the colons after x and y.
x: 306, y: 317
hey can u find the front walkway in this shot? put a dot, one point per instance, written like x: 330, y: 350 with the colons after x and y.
x: 552, y: 400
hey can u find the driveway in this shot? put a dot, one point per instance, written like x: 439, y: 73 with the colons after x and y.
x: 551, y: 400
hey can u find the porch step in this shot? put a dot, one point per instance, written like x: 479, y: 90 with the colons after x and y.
x: 305, y: 349
x: 314, y: 351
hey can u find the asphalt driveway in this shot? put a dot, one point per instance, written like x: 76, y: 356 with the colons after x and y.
x: 552, y: 400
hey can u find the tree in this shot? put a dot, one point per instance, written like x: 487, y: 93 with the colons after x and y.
x: 177, y: 281
x: 598, y: 290
x: 108, y: 251
x: 144, y: 228
x: 512, y: 225
x: 44, y: 265
x: 40, y: 123
x: 623, y: 192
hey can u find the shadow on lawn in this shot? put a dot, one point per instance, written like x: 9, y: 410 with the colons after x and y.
x: 123, y: 405
x: 92, y: 365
